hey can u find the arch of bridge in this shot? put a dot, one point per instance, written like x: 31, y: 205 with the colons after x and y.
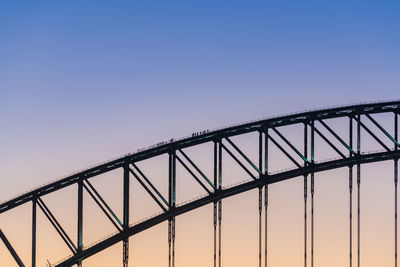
x: 213, y: 136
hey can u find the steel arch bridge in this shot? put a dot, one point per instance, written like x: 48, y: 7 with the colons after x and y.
x: 314, y: 123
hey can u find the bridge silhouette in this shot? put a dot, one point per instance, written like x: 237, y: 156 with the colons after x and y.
x: 360, y: 121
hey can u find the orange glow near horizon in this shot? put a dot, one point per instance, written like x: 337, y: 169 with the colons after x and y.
x: 194, y: 234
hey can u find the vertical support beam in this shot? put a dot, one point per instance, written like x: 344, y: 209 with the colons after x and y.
x: 170, y: 207
x: 358, y: 186
x: 220, y: 164
x: 312, y: 193
x: 173, y: 242
x: 312, y: 141
x: 170, y: 180
x: 125, y: 253
x: 172, y: 203
x: 173, y: 179
x: 259, y: 226
x: 215, y: 234
x: 169, y: 242
x: 34, y: 232
x: 260, y: 163
x: 396, y: 166
x: 220, y: 201
x: 80, y: 218
x: 215, y: 202
x: 351, y: 195
x: 266, y: 197
x: 219, y: 232
x: 305, y: 142
x: 305, y: 194
x: 396, y: 135
x: 266, y: 224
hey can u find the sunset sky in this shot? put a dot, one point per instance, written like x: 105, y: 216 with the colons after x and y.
x: 84, y: 82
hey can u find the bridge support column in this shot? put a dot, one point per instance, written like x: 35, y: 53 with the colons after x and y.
x: 351, y: 216
x: 80, y: 219
x: 266, y: 225
x: 173, y: 241
x: 215, y: 234
x: 351, y: 196
x: 396, y: 167
x: 305, y: 220
x: 169, y: 242
x: 266, y: 199
x: 125, y: 252
x: 220, y: 202
x: 34, y: 232
x: 312, y: 193
x: 219, y: 232
x: 358, y: 186
x: 260, y: 166
x: 358, y: 214
x: 215, y: 202
x: 172, y: 203
x: 259, y: 226
x: 395, y: 209
x: 305, y: 194
x: 312, y: 219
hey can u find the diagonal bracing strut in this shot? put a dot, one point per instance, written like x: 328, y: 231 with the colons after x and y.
x: 11, y: 249
x: 196, y: 168
x: 56, y: 225
x: 149, y: 191
x: 102, y: 205
x: 238, y: 161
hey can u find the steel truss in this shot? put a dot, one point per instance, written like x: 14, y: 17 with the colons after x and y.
x: 259, y: 173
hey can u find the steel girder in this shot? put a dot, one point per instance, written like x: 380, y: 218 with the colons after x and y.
x: 224, y: 193
x: 346, y: 111
x: 214, y: 189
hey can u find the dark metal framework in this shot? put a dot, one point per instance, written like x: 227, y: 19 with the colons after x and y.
x: 260, y: 179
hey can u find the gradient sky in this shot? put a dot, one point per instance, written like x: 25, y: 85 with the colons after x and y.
x: 84, y: 81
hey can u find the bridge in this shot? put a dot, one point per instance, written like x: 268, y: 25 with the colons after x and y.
x: 340, y: 129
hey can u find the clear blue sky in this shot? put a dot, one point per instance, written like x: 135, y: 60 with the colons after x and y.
x: 83, y: 81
